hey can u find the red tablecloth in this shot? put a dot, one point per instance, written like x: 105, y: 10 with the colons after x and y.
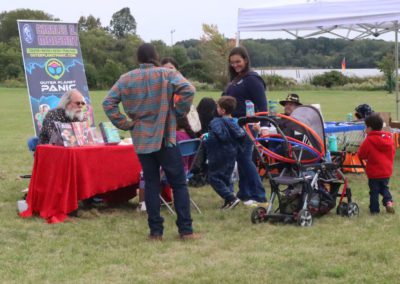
x: 63, y: 176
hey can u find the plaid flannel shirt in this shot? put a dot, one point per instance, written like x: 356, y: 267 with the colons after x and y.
x: 146, y: 94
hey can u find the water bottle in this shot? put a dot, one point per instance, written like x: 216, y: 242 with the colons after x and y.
x: 349, y: 117
x: 249, y: 108
x: 332, y: 142
x: 328, y: 157
x: 273, y: 106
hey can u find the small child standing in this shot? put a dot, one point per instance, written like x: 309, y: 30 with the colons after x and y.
x: 222, y: 143
x: 379, y: 151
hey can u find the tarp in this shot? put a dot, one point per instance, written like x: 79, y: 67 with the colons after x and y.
x: 365, y: 14
x: 357, y: 18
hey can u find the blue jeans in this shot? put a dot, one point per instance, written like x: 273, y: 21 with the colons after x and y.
x: 219, y: 177
x: 378, y: 186
x: 169, y: 158
x: 250, y: 185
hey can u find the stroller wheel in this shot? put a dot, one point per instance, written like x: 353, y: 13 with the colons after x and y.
x: 304, y: 218
x: 259, y: 215
x: 342, y: 209
x: 352, y: 209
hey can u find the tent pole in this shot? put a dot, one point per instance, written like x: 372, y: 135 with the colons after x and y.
x: 237, y: 38
x: 396, y: 66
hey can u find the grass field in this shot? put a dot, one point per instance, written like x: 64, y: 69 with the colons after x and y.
x: 112, y: 247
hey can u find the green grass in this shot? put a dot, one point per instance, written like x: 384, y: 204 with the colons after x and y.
x: 112, y: 248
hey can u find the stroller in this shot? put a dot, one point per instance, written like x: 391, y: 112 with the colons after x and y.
x: 304, y: 182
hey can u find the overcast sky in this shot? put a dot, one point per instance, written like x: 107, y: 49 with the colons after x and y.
x: 155, y: 19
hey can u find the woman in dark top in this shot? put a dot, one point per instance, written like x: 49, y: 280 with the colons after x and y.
x: 246, y: 85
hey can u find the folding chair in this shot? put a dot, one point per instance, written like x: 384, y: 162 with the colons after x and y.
x: 189, y: 148
x: 32, y: 143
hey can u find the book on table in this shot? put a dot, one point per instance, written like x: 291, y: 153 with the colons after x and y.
x: 83, y: 133
x: 75, y: 134
x: 110, y: 133
x: 66, y: 134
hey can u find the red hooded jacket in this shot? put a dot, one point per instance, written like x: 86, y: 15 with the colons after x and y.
x: 378, y: 149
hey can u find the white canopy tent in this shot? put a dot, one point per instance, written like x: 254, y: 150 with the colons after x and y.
x: 355, y: 19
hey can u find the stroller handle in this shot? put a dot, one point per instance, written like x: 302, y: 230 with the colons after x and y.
x: 254, y: 119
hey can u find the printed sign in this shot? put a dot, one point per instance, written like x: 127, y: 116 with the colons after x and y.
x: 53, y: 65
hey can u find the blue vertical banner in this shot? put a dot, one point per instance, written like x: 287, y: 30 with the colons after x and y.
x: 53, y: 65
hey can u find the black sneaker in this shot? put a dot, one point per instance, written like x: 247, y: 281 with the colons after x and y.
x: 230, y: 204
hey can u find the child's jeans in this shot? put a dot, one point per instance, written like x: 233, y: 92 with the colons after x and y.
x: 378, y: 186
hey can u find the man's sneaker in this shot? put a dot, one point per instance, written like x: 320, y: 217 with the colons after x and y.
x: 389, y: 207
x: 250, y: 202
x: 231, y: 204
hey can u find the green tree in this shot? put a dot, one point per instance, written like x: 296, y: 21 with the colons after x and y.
x: 179, y: 54
x: 8, y: 21
x: 123, y: 23
x: 197, y: 70
x: 89, y: 23
x: 92, y: 76
x: 10, y: 60
x: 214, y: 50
x: 110, y: 73
x: 387, y: 66
x: 162, y: 49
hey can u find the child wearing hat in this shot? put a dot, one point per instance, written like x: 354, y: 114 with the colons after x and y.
x: 362, y: 111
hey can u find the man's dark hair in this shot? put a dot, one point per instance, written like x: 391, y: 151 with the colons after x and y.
x: 147, y: 53
x: 227, y: 103
x: 374, y: 121
x: 170, y: 60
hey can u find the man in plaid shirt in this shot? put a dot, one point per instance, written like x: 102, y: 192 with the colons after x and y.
x: 147, y: 94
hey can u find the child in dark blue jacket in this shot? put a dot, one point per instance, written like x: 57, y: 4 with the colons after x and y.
x: 222, y: 143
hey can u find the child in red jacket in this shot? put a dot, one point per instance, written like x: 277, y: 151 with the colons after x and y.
x: 378, y: 149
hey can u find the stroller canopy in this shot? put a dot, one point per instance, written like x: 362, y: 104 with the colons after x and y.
x: 314, y: 133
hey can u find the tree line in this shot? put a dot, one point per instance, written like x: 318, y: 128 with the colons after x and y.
x: 109, y: 51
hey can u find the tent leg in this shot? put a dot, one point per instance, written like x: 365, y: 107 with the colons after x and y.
x: 237, y: 38
x: 396, y: 64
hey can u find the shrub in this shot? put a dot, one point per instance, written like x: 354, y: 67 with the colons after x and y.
x: 14, y: 83
x: 330, y: 79
x: 365, y: 86
x: 201, y: 86
x: 276, y: 82
x: 197, y: 70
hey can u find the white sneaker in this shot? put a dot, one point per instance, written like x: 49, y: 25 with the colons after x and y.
x: 141, y: 207
x: 250, y: 202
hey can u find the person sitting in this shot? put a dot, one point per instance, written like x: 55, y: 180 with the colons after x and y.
x: 69, y: 109
x: 184, y: 132
x: 222, y: 143
x: 362, y: 111
x: 290, y: 103
x: 207, y: 110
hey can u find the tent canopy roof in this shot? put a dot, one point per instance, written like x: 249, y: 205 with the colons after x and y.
x: 361, y: 17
